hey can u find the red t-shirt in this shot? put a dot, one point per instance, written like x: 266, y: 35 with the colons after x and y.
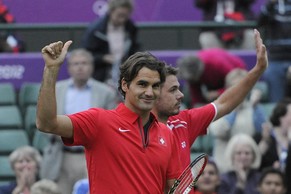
x: 118, y: 158
x: 187, y: 126
x: 217, y: 64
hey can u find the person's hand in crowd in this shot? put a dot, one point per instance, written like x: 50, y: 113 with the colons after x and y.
x: 266, y: 137
x: 211, y: 95
x: 25, y: 180
x: 266, y: 132
x: 241, y: 174
x: 255, y: 97
x: 27, y: 177
x: 109, y: 58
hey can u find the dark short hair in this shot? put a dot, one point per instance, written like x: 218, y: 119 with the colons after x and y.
x: 191, y: 64
x: 113, y: 4
x: 170, y: 70
x: 272, y: 170
x: 279, y: 110
x: 130, y: 68
x: 213, y: 163
x: 82, y: 52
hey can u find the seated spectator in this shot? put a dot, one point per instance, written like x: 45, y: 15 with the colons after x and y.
x: 205, y: 74
x: 246, y: 118
x: 209, y: 180
x: 226, y: 11
x: 112, y: 38
x: 274, y: 139
x: 25, y: 162
x: 8, y: 42
x: 272, y: 181
x: 45, y: 187
x: 242, y: 157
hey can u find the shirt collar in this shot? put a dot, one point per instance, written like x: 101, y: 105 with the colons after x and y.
x: 129, y: 115
x: 89, y: 83
x: 112, y: 28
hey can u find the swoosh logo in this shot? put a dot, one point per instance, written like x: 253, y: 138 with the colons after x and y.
x: 123, y: 130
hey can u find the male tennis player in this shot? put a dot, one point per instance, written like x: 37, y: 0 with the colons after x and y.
x: 127, y: 149
x: 187, y: 125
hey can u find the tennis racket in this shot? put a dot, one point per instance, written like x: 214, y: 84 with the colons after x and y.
x: 189, y: 176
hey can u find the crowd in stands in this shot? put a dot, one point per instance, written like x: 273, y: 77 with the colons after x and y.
x: 9, y: 42
x: 227, y: 11
x: 250, y: 150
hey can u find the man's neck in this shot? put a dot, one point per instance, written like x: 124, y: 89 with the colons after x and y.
x: 144, y: 115
x: 80, y: 84
x: 161, y: 118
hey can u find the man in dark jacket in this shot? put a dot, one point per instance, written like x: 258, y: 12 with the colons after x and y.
x: 111, y: 39
x: 275, y: 20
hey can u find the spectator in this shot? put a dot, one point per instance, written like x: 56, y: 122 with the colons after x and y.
x: 274, y: 140
x: 242, y: 157
x: 275, y: 19
x: 246, y: 118
x: 272, y: 181
x: 25, y: 162
x: 209, y: 180
x: 205, y: 73
x: 78, y: 93
x: 127, y: 149
x: 207, y: 183
x: 45, y: 187
x: 8, y: 41
x: 112, y: 39
x: 226, y: 11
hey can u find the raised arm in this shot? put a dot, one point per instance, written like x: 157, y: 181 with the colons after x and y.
x: 47, y: 119
x: 233, y: 96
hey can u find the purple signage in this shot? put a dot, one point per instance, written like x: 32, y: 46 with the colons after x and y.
x: 26, y: 67
x: 62, y: 11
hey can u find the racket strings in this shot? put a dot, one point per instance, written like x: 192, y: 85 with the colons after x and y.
x: 190, y: 176
x: 185, y: 182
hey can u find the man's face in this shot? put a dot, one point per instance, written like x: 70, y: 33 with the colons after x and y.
x: 209, y: 179
x: 272, y: 184
x: 243, y: 156
x: 144, y: 89
x: 80, y: 68
x: 119, y: 16
x: 25, y: 165
x: 169, y: 102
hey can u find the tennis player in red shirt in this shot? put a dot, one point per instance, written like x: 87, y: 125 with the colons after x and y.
x: 187, y: 125
x: 127, y: 149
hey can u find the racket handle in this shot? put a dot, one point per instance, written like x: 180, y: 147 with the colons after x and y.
x: 187, y: 190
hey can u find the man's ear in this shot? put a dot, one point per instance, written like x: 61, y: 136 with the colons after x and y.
x: 124, y: 85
